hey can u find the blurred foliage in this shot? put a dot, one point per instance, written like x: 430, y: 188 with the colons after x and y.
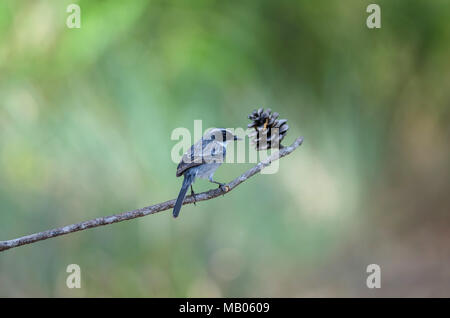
x: 86, y: 117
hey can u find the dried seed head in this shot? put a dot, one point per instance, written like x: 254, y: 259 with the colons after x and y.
x: 268, y: 131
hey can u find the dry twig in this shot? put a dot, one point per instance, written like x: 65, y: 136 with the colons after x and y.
x: 211, y: 194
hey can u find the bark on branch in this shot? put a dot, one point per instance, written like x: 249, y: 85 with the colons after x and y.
x: 5, y: 245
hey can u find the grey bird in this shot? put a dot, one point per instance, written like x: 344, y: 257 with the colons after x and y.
x: 202, y: 160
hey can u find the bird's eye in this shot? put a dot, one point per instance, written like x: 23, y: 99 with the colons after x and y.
x: 213, y: 137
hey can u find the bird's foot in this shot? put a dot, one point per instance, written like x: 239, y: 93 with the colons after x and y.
x: 224, y: 187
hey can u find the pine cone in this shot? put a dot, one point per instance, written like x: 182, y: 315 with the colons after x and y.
x: 264, y: 136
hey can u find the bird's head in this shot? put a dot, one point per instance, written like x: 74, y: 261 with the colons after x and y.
x: 221, y: 135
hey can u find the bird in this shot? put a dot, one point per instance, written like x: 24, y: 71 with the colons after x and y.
x: 202, y: 161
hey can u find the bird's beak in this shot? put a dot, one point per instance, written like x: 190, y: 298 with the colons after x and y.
x: 237, y: 138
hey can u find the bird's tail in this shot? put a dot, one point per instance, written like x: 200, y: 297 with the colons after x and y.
x: 186, y: 183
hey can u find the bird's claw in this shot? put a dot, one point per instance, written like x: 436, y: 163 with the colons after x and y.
x: 224, y: 187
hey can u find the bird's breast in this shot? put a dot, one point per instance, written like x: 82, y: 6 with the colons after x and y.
x: 207, y: 169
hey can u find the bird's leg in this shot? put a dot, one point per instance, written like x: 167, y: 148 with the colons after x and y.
x: 219, y: 183
x: 222, y: 186
x: 193, y: 195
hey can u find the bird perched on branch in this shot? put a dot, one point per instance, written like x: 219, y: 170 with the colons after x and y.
x: 202, y: 160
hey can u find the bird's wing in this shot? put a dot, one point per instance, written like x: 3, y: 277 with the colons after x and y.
x: 203, y: 151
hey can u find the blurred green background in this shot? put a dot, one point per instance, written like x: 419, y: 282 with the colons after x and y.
x: 86, y: 117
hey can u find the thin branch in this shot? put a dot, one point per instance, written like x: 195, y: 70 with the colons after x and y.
x: 211, y: 194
